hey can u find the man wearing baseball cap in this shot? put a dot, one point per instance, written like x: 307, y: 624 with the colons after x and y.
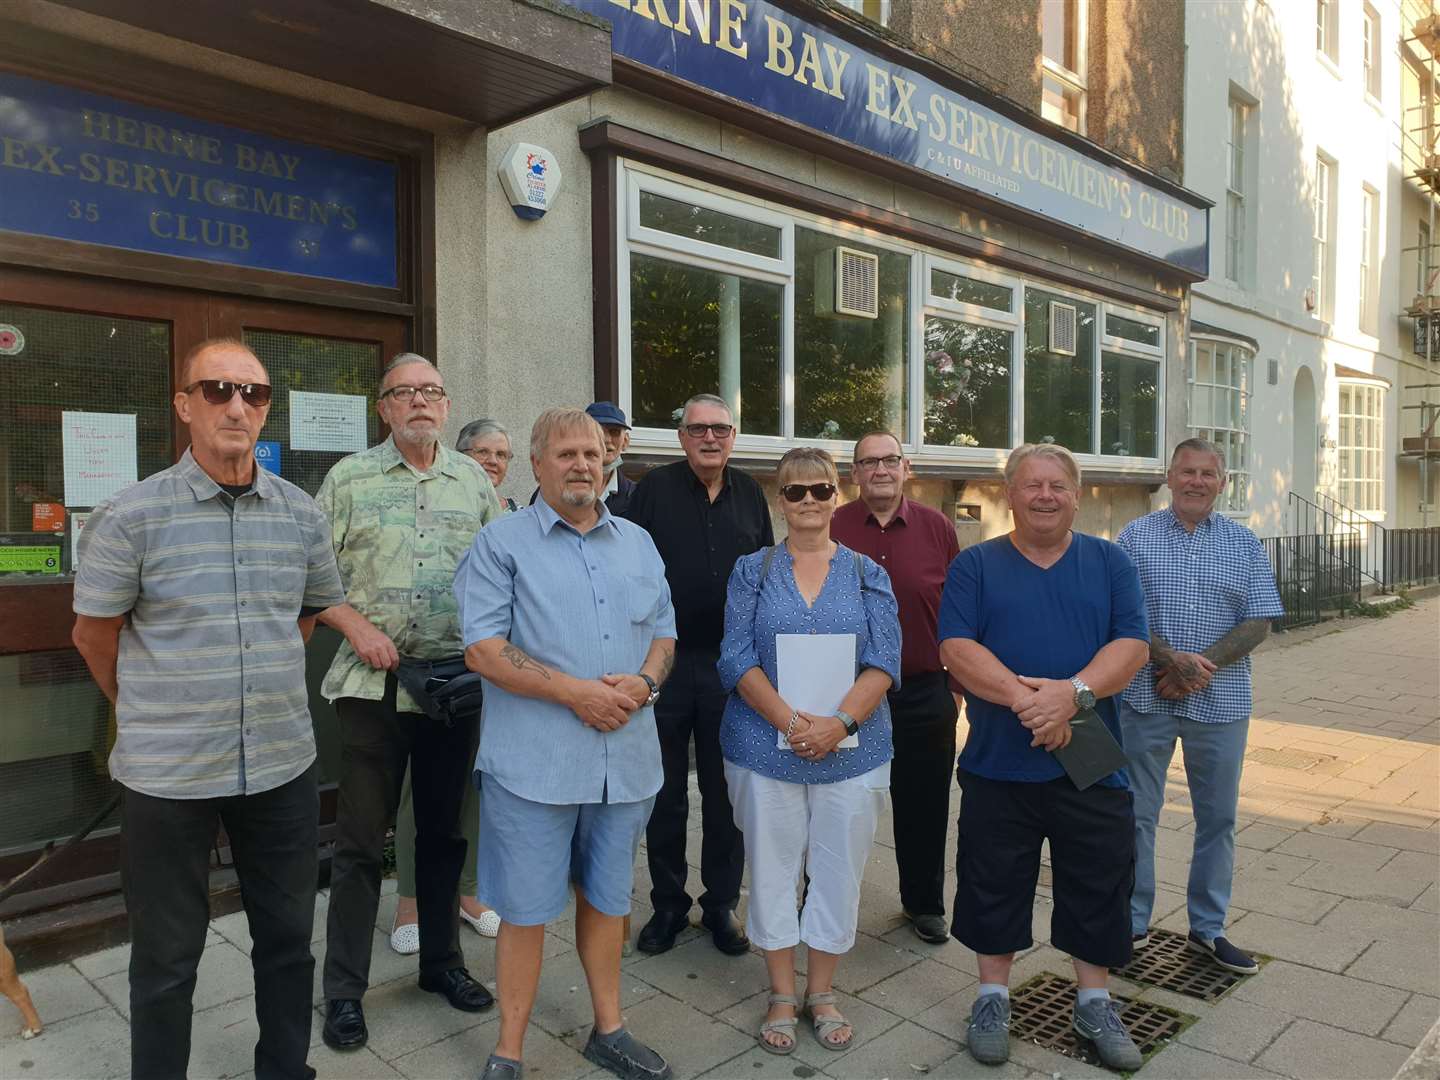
x: 618, y: 487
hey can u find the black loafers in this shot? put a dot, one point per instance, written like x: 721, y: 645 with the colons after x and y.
x: 931, y: 928
x: 460, y: 989
x: 727, y: 933
x: 344, y: 1025
x: 659, y: 934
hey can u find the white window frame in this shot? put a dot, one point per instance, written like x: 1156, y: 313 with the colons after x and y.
x: 1371, y: 61
x: 1073, y: 79
x: 1366, y: 306
x: 1327, y: 31
x: 1238, y: 507
x: 632, y: 176
x: 1323, y: 244
x: 1423, y: 268
x: 1374, y: 452
x: 877, y: 11
x: 1236, y: 208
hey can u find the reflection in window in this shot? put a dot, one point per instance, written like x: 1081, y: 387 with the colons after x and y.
x: 1129, y: 405
x: 1141, y: 333
x: 1220, y: 387
x: 1361, y: 448
x: 700, y: 331
x: 850, y: 373
x: 708, y: 226
x: 1058, y: 388
x: 967, y: 384
x: 968, y: 290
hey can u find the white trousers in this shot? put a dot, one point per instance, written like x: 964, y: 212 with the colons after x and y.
x: 790, y: 830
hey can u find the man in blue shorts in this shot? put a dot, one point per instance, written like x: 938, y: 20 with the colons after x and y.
x: 566, y: 613
x: 1037, y: 625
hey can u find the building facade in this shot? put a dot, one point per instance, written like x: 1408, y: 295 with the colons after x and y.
x: 840, y: 217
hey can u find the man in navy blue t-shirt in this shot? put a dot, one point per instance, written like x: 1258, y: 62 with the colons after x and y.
x: 1037, y: 625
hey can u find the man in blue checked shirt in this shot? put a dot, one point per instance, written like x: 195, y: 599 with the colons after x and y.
x: 1210, y: 595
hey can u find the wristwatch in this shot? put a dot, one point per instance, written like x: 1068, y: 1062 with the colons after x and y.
x: 654, y: 690
x: 852, y: 726
x: 1084, y: 696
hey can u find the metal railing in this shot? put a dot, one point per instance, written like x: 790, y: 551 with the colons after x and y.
x: 1327, y: 517
x: 1412, y: 556
x: 1371, y: 533
x: 1317, y: 574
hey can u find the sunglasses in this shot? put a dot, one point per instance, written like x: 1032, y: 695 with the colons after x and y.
x: 220, y: 391
x: 796, y: 492
x: 697, y: 431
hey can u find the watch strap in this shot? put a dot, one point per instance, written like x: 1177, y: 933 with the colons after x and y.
x: 852, y: 726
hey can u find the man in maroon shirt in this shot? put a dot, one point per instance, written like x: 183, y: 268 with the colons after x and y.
x: 915, y: 544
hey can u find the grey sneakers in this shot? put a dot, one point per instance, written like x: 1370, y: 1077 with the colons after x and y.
x: 1099, y: 1021
x: 988, y: 1034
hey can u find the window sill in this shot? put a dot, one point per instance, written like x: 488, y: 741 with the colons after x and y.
x: 1323, y: 58
x: 1375, y: 103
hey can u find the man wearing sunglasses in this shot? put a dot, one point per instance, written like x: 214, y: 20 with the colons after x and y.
x: 402, y: 513
x: 916, y: 545
x: 702, y: 515
x: 196, y: 592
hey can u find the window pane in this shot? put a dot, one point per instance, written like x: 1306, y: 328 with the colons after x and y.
x: 970, y: 291
x: 1058, y: 28
x: 1128, y: 405
x: 967, y: 384
x: 849, y: 372
x: 1204, y: 363
x: 1060, y: 104
x: 698, y: 331
x: 710, y: 226
x: 1058, y: 389
x: 1132, y: 330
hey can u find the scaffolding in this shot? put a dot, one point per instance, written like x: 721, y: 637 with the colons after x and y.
x: 1420, y: 149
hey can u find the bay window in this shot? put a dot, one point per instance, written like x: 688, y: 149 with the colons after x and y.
x: 817, y: 331
x: 1361, y: 447
x: 1221, y: 374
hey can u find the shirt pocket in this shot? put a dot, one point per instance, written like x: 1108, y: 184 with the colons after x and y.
x: 641, y: 596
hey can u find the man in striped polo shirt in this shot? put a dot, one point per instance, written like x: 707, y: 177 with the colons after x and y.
x: 196, y: 592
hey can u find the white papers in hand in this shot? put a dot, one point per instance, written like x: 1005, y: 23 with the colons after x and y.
x: 815, y: 673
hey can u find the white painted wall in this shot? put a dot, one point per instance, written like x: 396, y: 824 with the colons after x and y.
x: 1267, y: 52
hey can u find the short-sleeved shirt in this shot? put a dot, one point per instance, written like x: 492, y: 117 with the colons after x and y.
x: 585, y: 604
x: 1199, y: 586
x: 700, y: 541
x: 916, y: 548
x: 1047, y: 623
x: 399, y: 533
x: 757, y: 611
x: 212, y: 699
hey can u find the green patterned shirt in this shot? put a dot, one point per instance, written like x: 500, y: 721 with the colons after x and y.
x: 399, y: 534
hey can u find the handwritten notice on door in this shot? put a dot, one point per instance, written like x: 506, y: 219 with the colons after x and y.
x: 334, y: 422
x: 99, y: 455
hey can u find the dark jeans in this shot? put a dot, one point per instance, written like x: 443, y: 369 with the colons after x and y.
x: 923, y: 715
x: 165, y: 869
x: 692, y: 703
x: 376, y: 744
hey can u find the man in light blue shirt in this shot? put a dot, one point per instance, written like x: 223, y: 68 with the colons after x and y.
x: 565, y: 611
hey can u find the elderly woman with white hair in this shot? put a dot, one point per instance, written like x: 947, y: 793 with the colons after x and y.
x: 807, y: 804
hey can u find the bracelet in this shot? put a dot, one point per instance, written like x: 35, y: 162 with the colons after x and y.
x: 790, y: 727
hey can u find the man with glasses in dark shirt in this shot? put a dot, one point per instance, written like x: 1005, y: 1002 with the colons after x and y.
x: 702, y: 515
x: 915, y: 544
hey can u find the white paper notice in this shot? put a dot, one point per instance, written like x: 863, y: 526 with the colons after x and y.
x: 99, y: 455
x: 816, y: 671
x: 334, y: 422
x: 77, y: 526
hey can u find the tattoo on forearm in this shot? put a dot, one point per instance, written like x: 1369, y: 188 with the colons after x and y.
x: 667, y: 665
x: 1160, y: 650
x: 523, y: 662
x: 1238, y: 643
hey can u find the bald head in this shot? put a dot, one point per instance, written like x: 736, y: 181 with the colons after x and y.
x: 233, y: 348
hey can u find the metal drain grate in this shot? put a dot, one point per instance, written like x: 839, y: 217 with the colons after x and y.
x: 1287, y: 759
x: 1041, y: 1010
x: 1167, y: 963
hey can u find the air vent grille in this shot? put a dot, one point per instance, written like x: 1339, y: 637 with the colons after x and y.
x: 1062, y: 328
x: 857, y: 283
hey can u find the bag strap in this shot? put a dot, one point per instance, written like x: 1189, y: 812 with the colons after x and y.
x: 765, y: 563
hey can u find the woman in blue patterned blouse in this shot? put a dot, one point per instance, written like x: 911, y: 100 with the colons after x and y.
x: 811, y: 807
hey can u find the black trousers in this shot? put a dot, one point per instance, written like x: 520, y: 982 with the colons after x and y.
x: 692, y: 704
x: 376, y: 744
x: 923, y: 715
x: 165, y: 870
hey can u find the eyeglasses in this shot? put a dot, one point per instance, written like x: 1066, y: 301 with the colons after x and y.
x: 220, y: 391
x: 890, y: 461
x: 796, y: 492
x: 490, y: 455
x: 407, y: 394
x: 720, y: 431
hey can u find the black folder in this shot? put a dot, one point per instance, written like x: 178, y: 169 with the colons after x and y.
x: 1093, y: 753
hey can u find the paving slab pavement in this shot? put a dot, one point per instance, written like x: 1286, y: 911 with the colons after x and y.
x: 1338, y: 874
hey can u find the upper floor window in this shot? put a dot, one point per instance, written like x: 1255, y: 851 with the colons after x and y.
x: 1221, y: 376
x: 1323, y: 271
x: 1370, y: 50
x: 1235, y: 191
x: 1327, y: 29
x: 1361, y: 448
x: 1369, y: 230
x: 877, y: 11
x: 1422, y: 260
x: 1062, y: 47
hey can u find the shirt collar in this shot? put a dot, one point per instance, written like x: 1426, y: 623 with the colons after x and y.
x: 549, y: 518
x: 613, y: 484
x: 699, y: 485
x: 899, y: 515
x: 445, y: 462
x: 1176, y: 523
x: 205, y: 487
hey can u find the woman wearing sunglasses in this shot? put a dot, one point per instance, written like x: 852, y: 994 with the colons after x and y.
x: 808, y: 807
